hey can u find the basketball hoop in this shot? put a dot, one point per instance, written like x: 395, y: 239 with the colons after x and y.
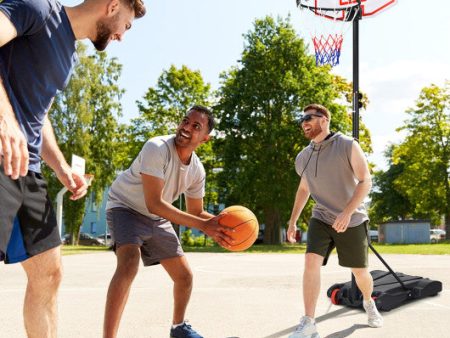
x: 328, y: 34
x: 334, y: 16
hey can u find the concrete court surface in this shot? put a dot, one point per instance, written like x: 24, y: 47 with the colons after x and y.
x: 235, y: 295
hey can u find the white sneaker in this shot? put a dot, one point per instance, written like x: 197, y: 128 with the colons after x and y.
x: 306, y: 329
x: 374, y: 318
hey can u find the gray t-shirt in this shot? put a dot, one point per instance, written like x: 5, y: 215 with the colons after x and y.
x: 327, y: 169
x: 157, y: 158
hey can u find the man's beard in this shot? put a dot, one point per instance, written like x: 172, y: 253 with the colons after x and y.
x: 313, y: 132
x: 103, y: 36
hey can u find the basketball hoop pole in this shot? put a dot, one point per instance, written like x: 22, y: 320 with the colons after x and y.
x: 354, y: 291
x: 356, y: 94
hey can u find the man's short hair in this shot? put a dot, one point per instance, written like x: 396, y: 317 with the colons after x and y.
x: 137, y: 6
x: 319, y: 109
x: 207, y: 112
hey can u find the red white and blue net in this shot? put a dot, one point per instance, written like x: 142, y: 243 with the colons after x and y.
x: 328, y: 48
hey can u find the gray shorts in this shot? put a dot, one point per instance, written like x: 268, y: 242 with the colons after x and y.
x: 156, y: 238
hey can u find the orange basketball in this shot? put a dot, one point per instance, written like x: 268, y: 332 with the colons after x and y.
x: 245, y: 225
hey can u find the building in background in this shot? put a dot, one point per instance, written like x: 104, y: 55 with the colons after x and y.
x: 405, y: 232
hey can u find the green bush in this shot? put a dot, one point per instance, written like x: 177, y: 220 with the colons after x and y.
x: 188, y: 239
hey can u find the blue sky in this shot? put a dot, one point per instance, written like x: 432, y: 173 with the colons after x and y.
x: 402, y: 50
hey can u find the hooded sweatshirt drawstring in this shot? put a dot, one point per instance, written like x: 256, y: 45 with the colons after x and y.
x: 307, y: 162
x: 317, y: 160
x: 313, y: 145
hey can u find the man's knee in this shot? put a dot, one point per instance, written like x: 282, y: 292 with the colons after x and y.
x: 313, y: 261
x: 44, y: 270
x: 128, y: 262
x: 186, y: 278
x: 52, y: 277
x: 361, y: 273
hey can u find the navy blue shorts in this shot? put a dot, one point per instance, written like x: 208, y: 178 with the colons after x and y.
x: 27, y: 221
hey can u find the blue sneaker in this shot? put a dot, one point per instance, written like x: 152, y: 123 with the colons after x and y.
x: 184, y: 331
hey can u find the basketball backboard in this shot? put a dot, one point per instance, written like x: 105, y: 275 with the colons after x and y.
x: 339, y: 9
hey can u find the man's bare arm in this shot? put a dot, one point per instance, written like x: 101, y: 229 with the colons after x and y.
x: 53, y: 156
x: 13, y: 144
x: 301, y: 198
x: 362, y: 174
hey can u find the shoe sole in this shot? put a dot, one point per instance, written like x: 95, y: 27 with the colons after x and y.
x: 314, y: 335
x: 375, y: 326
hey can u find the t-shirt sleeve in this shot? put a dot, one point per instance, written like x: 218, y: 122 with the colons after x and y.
x: 27, y: 16
x: 197, y: 188
x: 154, y: 158
x: 298, y: 166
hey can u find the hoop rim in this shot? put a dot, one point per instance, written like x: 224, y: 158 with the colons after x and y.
x: 336, y: 9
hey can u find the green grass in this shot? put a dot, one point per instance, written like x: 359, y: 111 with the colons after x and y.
x: 258, y: 248
x: 81, y: 249
x: 418, y: 249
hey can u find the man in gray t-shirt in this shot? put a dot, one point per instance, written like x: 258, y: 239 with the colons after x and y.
x: 139, y: 212
x: 334, y: 171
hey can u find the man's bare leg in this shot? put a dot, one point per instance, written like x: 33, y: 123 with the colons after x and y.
x: 364, y: 281
x: 181, y: 274
x: 311, y: 282
x: 127, y: 267
x: 365, y: 284
x: 40, y: 310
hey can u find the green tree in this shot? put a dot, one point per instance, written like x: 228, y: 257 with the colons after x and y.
x: 425, y: 154
x: 162, y: 109
x: 84, y: 118
x: 387, y: 202
x: 259, y: 104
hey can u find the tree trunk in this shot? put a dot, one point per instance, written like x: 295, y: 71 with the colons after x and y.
x: 272, y: 229
x: 447, y: 209
x: 447, y: 224
x: 76, y: 236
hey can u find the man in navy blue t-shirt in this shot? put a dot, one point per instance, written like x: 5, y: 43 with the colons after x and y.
x: 37, y: 57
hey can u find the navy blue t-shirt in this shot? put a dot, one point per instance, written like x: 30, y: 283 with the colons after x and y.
x: 37, y: 64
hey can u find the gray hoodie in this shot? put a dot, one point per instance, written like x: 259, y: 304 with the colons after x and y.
x: 327, y: 169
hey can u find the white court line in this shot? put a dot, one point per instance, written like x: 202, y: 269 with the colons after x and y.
x: 332, y: 272
x: 230, y: 273
x: 12, y: 290
x: 437, y: 305
x: 201, y: 269
x: 61, y: 289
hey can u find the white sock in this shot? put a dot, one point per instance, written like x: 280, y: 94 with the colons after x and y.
x: 174, y: 326
x: 311, y: 319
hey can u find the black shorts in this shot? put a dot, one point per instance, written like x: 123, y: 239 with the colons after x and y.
x: 351, y: 245
x: 27, y: 220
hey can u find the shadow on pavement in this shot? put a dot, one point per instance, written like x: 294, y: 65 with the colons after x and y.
x: 318, y: 320
x: 347, y: 332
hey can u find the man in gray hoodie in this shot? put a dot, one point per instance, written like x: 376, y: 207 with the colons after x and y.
x: 334, y: 171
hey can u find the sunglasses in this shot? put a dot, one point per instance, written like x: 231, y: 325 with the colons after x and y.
x: 308, y: 117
